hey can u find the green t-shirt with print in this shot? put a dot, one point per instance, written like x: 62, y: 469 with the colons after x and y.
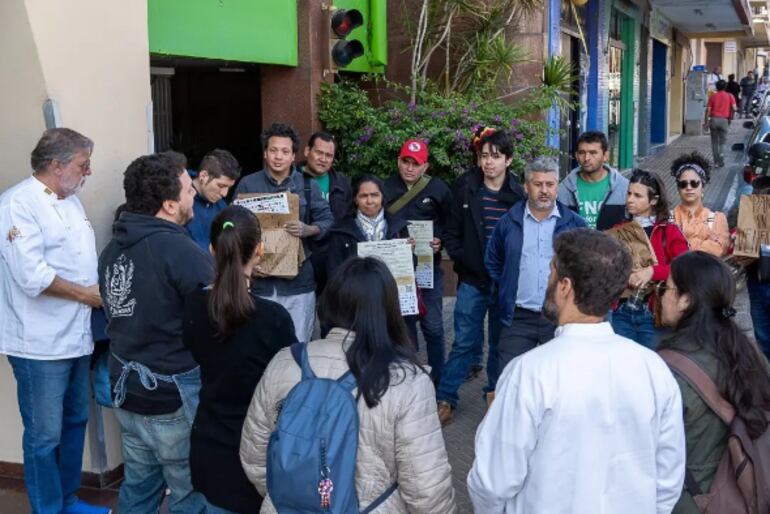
x: 323, y: 184
x: 591, y: 196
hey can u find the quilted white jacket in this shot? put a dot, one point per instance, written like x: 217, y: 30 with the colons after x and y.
x: 399, y: 440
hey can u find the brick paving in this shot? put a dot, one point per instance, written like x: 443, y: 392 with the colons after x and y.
x: 459, y: 435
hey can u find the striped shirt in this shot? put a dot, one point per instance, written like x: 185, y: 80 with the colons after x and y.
x: 492, y: 209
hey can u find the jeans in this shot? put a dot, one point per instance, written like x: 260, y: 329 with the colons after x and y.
x: 528, y: 329
x: 759, y: 296
x: 719, y: 128
x: 53, y: 400
x: 471, y: 307
x: 432, y: 324
x: 156, y: 451
x: 637, y: 325
x: 746, y: 104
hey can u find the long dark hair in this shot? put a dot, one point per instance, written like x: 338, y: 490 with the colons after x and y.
x: 362, y: 296
x: 655, y: 190
x: 357, y: 183
x: 742, y: 374
x: 235, y: 234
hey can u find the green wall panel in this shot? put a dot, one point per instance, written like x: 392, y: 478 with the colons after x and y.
x: 256, y: 31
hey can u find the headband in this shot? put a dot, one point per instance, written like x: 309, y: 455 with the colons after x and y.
x: 692, y: 166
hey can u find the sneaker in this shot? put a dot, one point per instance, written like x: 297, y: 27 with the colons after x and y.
x: 81, y: 507
x: 445, y: 413
x: 474, y: 371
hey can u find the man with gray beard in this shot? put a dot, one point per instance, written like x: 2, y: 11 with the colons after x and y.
x: 591, y: 421
x: 518, y: 255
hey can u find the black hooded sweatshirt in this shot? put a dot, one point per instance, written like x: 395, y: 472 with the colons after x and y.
x: 144, y: 274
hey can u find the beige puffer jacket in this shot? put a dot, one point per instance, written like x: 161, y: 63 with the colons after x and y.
x: 399, y: 440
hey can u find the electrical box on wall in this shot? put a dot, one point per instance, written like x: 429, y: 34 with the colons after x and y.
x: 696, y: 99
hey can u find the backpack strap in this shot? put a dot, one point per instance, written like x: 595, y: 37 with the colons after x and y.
x: 348, y: 381
x: 380, y: 499
x: 299, y: 352
x: 409, y: 195
x: 701, y: 382
x: 306, y: 182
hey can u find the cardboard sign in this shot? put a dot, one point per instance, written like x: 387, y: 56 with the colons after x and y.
x: 753, y: 225
x: 633, y: 236
x: 284, y: 253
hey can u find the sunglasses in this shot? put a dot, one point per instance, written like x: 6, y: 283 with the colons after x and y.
x: 694, y: 184
x: 662, y: 287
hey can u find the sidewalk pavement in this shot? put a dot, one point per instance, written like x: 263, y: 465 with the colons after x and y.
x: 459, y: 435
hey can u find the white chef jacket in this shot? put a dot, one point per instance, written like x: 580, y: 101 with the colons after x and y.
x: 589, y: 423
x: 43, y: 237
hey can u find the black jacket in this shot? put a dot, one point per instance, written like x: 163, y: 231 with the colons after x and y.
x: 340, y: 192
x: 432, y: 203
x: 144, y: 274
x: 464, y: 237
x: 230, y: 371
x: 345, y: 234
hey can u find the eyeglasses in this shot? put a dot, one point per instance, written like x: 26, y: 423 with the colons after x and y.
x: 694, y: 184
x: 662, y: 287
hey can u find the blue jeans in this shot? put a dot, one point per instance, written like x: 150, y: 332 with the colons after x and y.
x: 471, y: 307
x: 53, y: 400
x: 156, y: 451
x: 638, y: 325
x: 759, y: 296
x: 432, y: 324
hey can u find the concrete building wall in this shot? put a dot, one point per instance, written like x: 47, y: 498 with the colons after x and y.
x: 91, y: 57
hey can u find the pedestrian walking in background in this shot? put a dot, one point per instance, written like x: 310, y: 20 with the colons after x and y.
x: 697, y: 302
x: 647, y: 205
x: 734, y: 88
x: 488, y: 193
x: 399, y: 435
x: 412, y: 195
x: 704, y: 229
x: 589, y: 422
x: 232, y: 335
x: 517, y: 258
x: 48, y: 288
x: 748, y: 87
x: 145, y: 272
x: 280, y: 144
x: 594, y: 190
x: 719, y: 112
x: 217, y: 173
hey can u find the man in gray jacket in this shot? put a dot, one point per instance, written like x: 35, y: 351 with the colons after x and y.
x: 280, y: 143
x: 594, y: 190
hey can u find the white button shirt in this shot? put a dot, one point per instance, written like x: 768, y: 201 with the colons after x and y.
x: 588, y: 423
x: 44, y: 237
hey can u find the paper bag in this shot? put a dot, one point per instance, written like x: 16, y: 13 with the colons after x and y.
x: 753, y: 225
x: 284, y: 253
x: 633, y: 236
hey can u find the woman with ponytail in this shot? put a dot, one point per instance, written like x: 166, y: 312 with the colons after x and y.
x: 399, y: 435
x: 697, y: 301
x: 233, y: 335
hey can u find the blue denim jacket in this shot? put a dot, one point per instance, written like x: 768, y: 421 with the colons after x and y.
x: 503, y: 254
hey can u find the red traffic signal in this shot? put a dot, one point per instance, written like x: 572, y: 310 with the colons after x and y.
x: 345, y: 20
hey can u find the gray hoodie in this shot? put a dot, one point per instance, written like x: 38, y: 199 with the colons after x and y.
x: 613, y: 209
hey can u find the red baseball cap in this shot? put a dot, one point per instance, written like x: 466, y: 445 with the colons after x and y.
x: 415, y: 149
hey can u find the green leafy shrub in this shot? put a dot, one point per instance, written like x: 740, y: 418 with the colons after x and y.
x: 370, y: 136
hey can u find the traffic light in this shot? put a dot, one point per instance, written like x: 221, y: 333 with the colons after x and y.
x: 356, y: 36
x: 342, y: 23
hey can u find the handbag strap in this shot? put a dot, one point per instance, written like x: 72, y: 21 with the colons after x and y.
x: 701, y: 382
x: 409, y: 195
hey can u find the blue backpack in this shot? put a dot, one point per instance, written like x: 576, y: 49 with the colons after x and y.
x: 311, y: 455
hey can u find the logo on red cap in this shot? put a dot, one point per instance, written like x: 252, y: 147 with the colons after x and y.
x: 415, y: 149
